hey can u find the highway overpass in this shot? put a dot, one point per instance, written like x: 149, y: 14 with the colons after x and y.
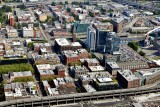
x: 74, y: 98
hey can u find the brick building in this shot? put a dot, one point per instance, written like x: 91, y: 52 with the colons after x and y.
x: 62, y: 44
x: 82, y: 53
x: 60, y: 70
x: 59, y: 33
x: 118, y: 24
x: 91, y: 62
x: 12, y: 20
x: 70, y: 57
x: 127, y: 80
x: 46, y: 73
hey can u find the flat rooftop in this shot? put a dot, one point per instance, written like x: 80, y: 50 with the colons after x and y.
x: 113, y: 64
x: 62, y: 41
x: 96, y: 68
x: 127, y: 74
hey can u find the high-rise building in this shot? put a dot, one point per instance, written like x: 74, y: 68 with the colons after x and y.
x: 112, y: 42
x: 12, y: 20
x: 102, y: 40
x: 91, y: 38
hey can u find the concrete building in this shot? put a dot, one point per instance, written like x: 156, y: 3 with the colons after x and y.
x: 148, y: 76
x: 11, y: 32
x: 105, y: 83
x: 28, y: 32
x: 127, y: 80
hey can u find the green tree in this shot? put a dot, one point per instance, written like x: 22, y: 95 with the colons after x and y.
x: 60, y: 3
x: 91, y: 14
x: 30, y: 45
x: 16, y: 68
x: 141, y: 53
x: 53, y: 3
x: 7, y: 8
x: 22, y: 7
x: 66, y: 2
x: 19, y: 26
x: 133, y: 45
x: 68, y: 9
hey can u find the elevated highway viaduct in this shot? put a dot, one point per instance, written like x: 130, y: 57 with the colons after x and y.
x: 75, y: 98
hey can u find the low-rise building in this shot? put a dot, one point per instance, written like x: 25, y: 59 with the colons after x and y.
x: 60, y: 70
x: 11, y: 32
x: 70, y: 57
x: 20, y: 90
x: 46, y: 59
x: 82, y: 53
x: 91, y: 62
x: 45, y: 73
x: 96, y: 68
x: 38, y: 46
x: 28, y: 32
x: 105, y: 83
x: 148, y: 76
x: 127, y: 79
x: 11, y: 76
x: 77, y: 71
x: 62, y: 44
x: 59, y: 32
x: 112, y: 68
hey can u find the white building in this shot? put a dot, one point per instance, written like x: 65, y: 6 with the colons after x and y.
x: 28, y: 32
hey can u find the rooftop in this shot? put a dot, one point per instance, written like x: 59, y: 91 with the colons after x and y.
x: 96, y: 68
x: 62, y: 41
x: 89, y: 88
x: 46, y: 72
x: 93, y: 60
x: 75, y: 44
x: 127, y: 74
x: 148, y: 72
x: 113, y: 64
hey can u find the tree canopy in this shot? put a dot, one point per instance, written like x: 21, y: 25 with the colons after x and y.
x: 134, y: 45
x: 15, y: 68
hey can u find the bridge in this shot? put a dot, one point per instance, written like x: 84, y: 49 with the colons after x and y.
x: 78, y: 97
